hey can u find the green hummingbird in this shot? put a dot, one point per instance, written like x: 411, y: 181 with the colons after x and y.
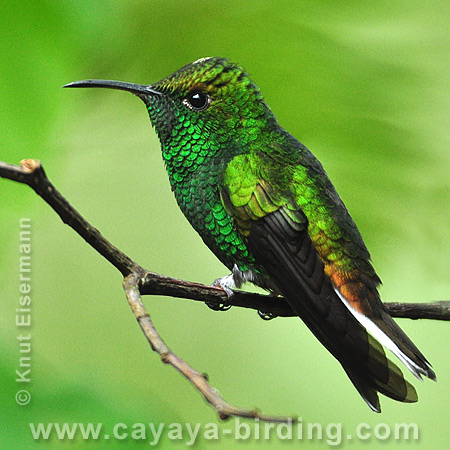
x: 265, y: 206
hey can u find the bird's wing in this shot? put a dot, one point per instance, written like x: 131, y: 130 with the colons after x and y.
x: 276, y: 232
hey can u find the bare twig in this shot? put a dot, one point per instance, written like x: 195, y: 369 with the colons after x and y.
x: 439, y: 310
x: 198, y: 379
x: 138, y: 281
x: 32, y: 173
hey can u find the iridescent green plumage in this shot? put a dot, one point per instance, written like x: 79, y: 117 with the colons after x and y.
x: 264, y: 205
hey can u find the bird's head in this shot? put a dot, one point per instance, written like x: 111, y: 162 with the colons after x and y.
x: 210, y: 99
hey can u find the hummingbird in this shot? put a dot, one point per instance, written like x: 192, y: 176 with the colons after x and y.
x: 264, y: 205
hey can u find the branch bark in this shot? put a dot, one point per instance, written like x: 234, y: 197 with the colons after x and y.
x: 156, y: 284
x: 139, y: 281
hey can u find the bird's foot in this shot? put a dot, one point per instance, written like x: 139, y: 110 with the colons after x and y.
x: 227, y: 284
x: 218, y: 306
x: 266, y: 316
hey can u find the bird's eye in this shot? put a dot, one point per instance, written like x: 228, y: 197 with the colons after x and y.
x: 198, y: 101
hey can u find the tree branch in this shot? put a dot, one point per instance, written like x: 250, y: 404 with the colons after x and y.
x: 156, y: 284
x: 224, y: 409
x: 32, y: 173
x: 139, y: 281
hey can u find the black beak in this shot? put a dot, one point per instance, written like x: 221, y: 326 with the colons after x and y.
x: 137, y: 89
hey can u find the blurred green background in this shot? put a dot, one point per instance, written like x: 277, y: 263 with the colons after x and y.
x: 364, y: 86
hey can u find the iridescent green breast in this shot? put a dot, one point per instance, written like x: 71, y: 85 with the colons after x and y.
x: 196, y: 186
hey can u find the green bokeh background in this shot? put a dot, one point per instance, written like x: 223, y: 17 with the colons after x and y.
x: 365, y: 86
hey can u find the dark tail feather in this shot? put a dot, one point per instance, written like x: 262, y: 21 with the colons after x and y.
x: 288, y: 255
x: 396, y: 387
x: 368, y: 393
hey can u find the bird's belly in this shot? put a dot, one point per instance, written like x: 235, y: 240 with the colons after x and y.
x: 204, y: 210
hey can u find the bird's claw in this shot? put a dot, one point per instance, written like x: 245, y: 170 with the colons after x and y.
x: 266, y: 316
x: 218, y: 306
